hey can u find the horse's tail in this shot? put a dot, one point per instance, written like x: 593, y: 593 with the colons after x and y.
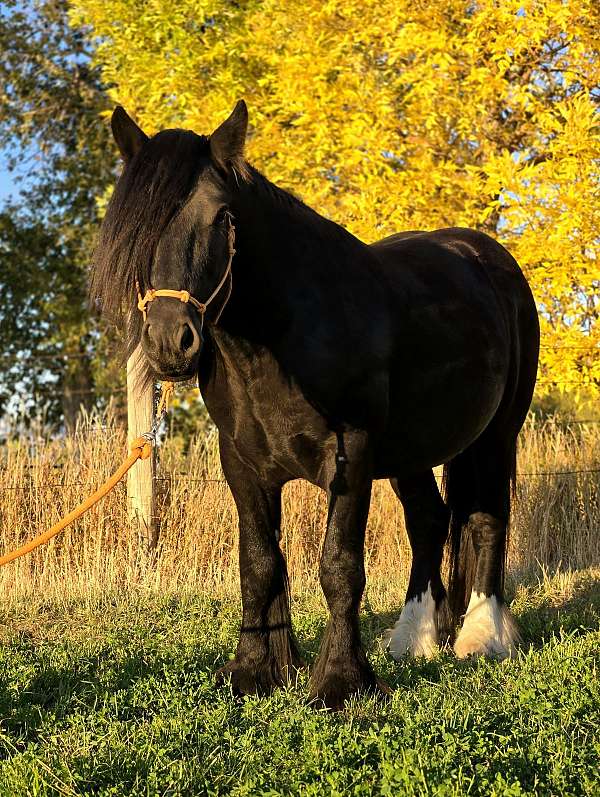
x: 460, y: 476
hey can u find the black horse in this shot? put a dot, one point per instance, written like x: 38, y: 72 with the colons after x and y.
x: 326, y: 359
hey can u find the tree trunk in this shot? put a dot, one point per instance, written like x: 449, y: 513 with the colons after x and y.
x: 77, y: 390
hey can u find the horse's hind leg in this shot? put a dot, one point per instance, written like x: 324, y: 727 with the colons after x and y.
x: 266, y: 652
x: 479, y: 553
x: 424, y: 618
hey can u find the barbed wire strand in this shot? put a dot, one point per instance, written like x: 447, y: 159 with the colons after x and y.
x: 181, y: 477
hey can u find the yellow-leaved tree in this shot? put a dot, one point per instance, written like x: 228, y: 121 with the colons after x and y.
x: 400, y: 114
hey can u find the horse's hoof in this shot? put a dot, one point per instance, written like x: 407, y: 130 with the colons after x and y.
x: 334, y: 690
x: 246, y: 680
x: 488, y: 630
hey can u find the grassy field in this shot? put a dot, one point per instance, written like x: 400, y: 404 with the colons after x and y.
x: 107, y: 655
x: 115, y: 696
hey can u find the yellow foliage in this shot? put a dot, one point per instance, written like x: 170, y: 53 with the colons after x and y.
x: 400, y: 114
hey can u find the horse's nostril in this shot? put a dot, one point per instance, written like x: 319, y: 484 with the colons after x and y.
x: 187, y: 338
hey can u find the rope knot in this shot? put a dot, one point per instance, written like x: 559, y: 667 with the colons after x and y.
x: 143, y: 301
x: 143, y: 445
x: 166, y: 396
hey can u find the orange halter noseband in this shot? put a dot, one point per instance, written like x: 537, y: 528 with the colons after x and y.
x: 185, y: 296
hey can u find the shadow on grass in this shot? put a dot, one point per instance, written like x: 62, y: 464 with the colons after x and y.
x: 37, y: 686
x: 83, y: 681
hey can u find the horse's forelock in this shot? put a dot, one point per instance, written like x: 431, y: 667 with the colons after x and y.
x: 152, y: 189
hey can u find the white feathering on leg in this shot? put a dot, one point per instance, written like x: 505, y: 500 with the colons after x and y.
x: 415, y: 632
x: 488, y: 629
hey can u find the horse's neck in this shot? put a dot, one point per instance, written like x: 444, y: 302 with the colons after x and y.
x: 304, y: 295
x: 286, y: 255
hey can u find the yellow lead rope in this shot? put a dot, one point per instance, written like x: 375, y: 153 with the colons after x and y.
x: 141, y: 448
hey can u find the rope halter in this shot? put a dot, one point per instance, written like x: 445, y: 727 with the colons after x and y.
x: 185, y: 296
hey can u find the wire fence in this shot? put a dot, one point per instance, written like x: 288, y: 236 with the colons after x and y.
x: 168, y: 479
x: 184, y: 476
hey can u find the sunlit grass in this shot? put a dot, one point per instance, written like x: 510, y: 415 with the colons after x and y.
x: 107, y: 655
x: 114, y: 695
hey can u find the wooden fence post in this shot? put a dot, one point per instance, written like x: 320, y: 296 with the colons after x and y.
x: 141, y: 499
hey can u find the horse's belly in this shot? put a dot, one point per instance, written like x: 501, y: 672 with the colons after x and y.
x: 431, y: 426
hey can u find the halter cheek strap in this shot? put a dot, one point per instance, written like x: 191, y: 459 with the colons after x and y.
x: 185, y: 296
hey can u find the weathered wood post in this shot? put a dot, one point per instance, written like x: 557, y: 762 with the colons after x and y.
x: 141, y: 499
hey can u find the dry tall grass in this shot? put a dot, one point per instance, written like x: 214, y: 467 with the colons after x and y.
x: 556, y: 517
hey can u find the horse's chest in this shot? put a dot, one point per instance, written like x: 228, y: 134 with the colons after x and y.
x: 275, y: 430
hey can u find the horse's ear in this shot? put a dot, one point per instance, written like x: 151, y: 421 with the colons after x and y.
x: 227, y: 142
x: 127, y: 134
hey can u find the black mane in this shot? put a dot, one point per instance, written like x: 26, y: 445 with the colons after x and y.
x: 153, y: 188
x: 294, y: 212
x: 275, y: 193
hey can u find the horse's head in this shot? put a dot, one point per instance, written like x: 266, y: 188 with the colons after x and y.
x: 168, y: 227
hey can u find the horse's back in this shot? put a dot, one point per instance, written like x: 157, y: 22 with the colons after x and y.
x: 417, y: 246
x: 443, y: 261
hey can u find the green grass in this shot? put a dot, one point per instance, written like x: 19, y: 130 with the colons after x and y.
x: 117, y: 698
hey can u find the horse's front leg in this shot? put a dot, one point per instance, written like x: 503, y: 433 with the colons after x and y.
x: 266, y: 653
x: 342, y: 668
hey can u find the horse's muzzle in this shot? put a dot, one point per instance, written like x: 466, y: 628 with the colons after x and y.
x: 172, y: 349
